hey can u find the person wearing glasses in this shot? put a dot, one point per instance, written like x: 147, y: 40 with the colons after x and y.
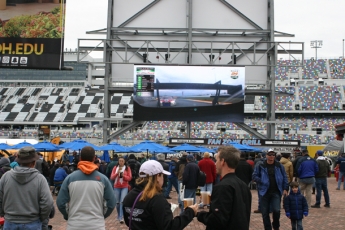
x: 273, y: 184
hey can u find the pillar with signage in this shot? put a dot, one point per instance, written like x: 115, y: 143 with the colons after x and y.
x: 43, y: 133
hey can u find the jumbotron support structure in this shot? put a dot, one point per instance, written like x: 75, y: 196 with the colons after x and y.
x: 258, y: 42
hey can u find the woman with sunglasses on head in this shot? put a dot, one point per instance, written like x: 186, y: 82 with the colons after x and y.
x: 121, y: 175
x: 145, y: 206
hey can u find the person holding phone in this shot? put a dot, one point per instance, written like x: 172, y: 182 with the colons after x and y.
x: 121, y: 175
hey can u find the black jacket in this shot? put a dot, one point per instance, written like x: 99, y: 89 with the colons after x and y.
x: 324, y: 167
x: 230, y: 207
x: 190, y: 175
x: 244, y: 171
x: 166, y: 168
x: 154, y: 213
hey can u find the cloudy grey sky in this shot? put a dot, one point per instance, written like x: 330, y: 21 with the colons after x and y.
x: 308, y: 19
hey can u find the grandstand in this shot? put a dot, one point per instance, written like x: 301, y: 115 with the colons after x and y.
x: 312, y: 97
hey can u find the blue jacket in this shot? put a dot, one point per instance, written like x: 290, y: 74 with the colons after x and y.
x: 295, y: 206
x: 307, y: 167
x: 260, y: 176
x: 60, y: 174
x: 172, y: 166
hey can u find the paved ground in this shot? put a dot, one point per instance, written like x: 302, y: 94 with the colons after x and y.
x: 321, y: 219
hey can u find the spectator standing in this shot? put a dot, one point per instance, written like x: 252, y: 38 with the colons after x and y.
x: 25, y: 199
x: 190, y: 178
x: 251, y: 162
x: 285, y: 161
x: 260, y: 158
x: 111, y: 165
x: 151, y: 209
x: 321, y: 180
x: 209, y: 168
x: 161, y: 160
x: 4, y: 166
x: 134, y: 166
x: 121, y: 175
x: 231, y: 198
x: 296, y: 207
x: 86, y: 198
x: 272, y: 185
x: 299, y: 155
x: 244, y: 170
x: 172, y: 179
x: 179, y: 169
x: 341, y: 164
x: 306, y: 169
x: 59, y: 177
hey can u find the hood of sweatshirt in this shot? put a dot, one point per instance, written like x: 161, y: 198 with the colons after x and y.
x: 321, y: 158
x: 87, y: 167
x: 24, y: 175
x: 284, y: 160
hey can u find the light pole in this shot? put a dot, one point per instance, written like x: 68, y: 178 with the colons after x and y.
x: 343, y: 48
x: 316, y: 44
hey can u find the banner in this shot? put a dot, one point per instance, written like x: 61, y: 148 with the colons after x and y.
x: 31, y: 36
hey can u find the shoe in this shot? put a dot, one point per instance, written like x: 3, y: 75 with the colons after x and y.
x: 315, y: 206
x: 257, y: 211
x: 168, y: 197
x: 121, y: 221
x: 337, y: 189
x: 327, y: 206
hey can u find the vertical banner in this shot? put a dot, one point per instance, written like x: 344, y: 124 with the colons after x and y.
x: 31, y: 35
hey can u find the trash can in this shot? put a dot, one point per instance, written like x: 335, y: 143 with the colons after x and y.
x: 2, y: 4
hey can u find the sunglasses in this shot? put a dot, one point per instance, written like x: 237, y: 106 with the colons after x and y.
x: 271, y: 154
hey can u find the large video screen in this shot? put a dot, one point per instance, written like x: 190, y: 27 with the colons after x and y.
x: 188, y: 93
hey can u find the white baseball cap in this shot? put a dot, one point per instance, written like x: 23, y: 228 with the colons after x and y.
x: 271, y: 150
x: 151, y: 168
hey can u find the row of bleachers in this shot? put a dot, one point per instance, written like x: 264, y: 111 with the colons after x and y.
x: 160, y: 125
x: 202, y: 125
x: 312, y: 68
x: 319, y: 97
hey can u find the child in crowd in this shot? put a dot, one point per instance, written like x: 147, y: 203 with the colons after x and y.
x: 295, y: 206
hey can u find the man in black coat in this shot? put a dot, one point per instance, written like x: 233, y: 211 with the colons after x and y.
x: 231, y: 198
x: 244, y: 170
x: 161, y: 159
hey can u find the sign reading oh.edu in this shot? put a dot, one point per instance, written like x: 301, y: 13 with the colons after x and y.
x: 32, y: 40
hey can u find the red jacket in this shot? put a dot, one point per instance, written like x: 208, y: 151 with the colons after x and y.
x: 209, y: 168
x: 127, y: 176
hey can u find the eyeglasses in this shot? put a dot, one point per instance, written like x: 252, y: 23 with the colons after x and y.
x: 271, y: 154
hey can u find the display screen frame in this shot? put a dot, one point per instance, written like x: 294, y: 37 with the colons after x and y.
x: 188, y: 93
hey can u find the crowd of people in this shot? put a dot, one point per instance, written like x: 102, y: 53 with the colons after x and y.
x: 88, y: 190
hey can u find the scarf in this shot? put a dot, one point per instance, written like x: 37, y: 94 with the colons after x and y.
x: 118, y: 174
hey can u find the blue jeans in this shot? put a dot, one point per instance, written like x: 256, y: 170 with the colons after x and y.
x: 341, y: 174
x: 321, y: 184
x: 35, y: 225
x: 120, y: 194
x: 296, y: 224
x: 172, y: 182
x: 271, y: 200
x: 178, y: 187
x: 207, y: 187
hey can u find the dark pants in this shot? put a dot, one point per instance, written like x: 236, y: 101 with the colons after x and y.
x: 271, y: 200
x: 321, y: 184
x: 171, y: 182
x: 296, y: 225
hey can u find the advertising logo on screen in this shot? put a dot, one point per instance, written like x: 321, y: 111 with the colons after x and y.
x: 189, y: 93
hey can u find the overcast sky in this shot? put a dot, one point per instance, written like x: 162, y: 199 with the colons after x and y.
x: 308, y: 19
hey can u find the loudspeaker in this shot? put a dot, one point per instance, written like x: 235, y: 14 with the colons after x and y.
x: 222, y: 130
x: 182, y: 130
x: 286, y: 130
x: 297, y: 107
x: 318, y: 131
x: 343, y: 106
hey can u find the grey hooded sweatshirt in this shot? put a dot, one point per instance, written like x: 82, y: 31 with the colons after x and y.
x: 24, y: 196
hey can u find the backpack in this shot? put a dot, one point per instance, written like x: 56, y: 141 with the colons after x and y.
x: 45, y: 168
x: 201, y: 179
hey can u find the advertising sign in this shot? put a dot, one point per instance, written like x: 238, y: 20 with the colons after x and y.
x: 31, y: 36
